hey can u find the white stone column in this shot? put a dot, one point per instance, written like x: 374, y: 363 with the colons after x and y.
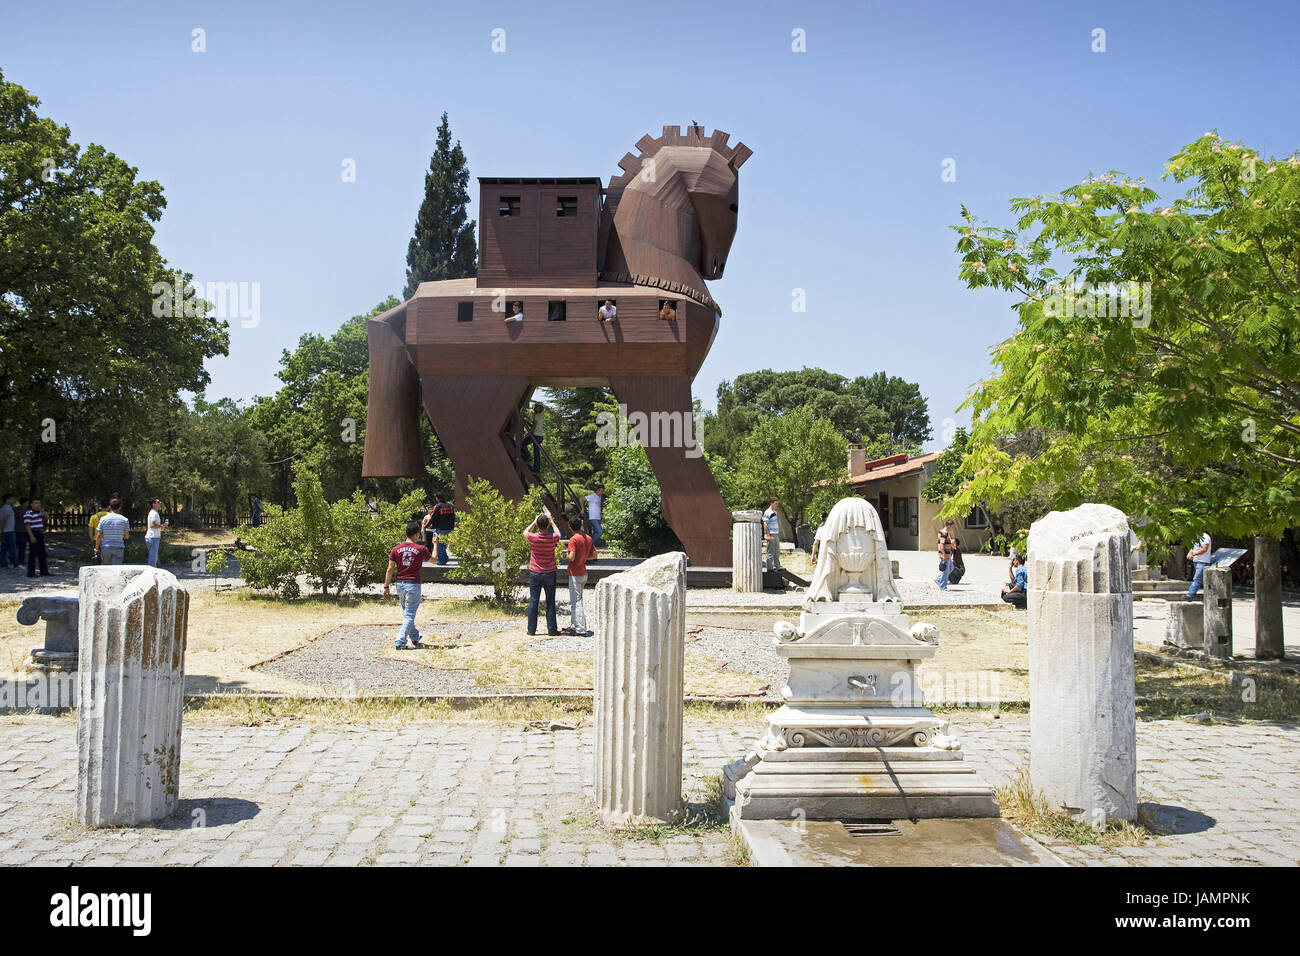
x: 130, y: 689
x: 1082, y: 722
x: 747, y: 551
x: 639, y: 691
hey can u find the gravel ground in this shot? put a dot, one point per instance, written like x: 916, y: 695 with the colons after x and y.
x: 345, y: 659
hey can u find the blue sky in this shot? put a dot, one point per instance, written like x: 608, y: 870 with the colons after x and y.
x: 843, y: 197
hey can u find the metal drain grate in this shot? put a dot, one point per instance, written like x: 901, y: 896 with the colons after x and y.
x: 870, y: 828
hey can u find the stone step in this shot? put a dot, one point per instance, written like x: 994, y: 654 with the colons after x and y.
x: 886, y: 755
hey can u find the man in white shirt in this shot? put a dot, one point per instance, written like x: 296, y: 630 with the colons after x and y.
x: 595, y: 508
x: 608, y: 312
x: 153, y: 531
x: 516, y: 313
x: 1200, y: 555
x: 772, y: 530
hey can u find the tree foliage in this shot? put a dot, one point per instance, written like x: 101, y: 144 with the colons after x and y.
x: 337, y: 547
x: 1186, y: 413
x: 796, y: 457
x: 82, y: 346
x: 488, y: 540
x: 883, y: 413
x: 443, y: 246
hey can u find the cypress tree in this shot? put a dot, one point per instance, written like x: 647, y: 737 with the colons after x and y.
x: 443, y: 246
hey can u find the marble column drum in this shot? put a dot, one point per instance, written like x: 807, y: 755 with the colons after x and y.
x: 130, y: 690
x: 747, y: 551
x: 639, y: 691
x: 1082, y: 721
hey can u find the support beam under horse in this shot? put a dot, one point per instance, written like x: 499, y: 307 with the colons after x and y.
x: 552, y: 252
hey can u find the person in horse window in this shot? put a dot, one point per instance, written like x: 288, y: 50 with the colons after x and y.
x: 608, y: 312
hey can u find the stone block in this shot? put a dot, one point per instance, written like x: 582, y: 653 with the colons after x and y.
x: 1185, y: 625
x: 747, y: 551
x: 59, y: 611
x: 1216, y: 601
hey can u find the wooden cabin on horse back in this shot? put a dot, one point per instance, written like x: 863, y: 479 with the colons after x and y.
x: 551, y: 253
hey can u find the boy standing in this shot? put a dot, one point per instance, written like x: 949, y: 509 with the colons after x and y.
x: 8, y: 540
x: 579, y: 550
x: 444, y: 523
x: 406, y: 560
x: 772, y: 529
x: 111, y: 533
x: 34, y: 521
x: 153, y: 531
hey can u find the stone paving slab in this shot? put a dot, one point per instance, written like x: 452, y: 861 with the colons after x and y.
x: 490, y: 794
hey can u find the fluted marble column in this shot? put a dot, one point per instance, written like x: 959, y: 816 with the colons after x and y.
x: 747, y: 551
x: 639, y: 689
x: 130, y: 689
x: 1082, y: 722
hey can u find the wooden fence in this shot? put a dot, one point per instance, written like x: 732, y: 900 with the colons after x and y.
x: 79, y: 519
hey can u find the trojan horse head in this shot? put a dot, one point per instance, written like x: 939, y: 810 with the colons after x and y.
x: 670, y: 217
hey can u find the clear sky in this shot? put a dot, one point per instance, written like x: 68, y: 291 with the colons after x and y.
x: 843, y: 197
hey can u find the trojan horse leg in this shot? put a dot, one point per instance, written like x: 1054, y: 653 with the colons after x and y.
x: 468, y: 412
x: 692, y: 505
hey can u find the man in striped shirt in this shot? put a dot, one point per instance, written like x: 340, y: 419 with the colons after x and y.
x: 111, y: 534
x: 34, y: 520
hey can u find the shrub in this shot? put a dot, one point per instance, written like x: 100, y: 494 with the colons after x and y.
x: 489, y: 537
x: 337, y: 547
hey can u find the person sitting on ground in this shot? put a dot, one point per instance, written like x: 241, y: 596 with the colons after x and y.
x: 406, y: 559
x: 958, y: 565
x: 578, y: 551
x: 667, y: 313
x: 541, y: 538
x: 944, y: 548
x: 608, y: 312
x: 1016, y: 591
x: 111, y: 532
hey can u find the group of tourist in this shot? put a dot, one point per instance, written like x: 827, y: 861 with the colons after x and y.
x: 607, y: 312
x: 406, y: 559
x: 22, y: 535
x: 23, y: 523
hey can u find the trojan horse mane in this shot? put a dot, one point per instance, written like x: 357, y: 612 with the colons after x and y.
x: 633, y: 165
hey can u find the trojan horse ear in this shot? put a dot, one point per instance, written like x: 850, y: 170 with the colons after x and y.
x: 739, y: 154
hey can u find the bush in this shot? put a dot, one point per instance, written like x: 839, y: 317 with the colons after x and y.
x: 489, y: 537
x: 338, y: 547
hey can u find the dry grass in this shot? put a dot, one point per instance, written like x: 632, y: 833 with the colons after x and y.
x: 506, y: 659
x: 1027, y: 809
x: 1168, y: 690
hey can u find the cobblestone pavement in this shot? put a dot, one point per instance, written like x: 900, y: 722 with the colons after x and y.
x: 487, y: 794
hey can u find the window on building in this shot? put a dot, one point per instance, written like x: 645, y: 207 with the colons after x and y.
x: 978, y: 518
x: 556, y: 311
x: 667, y: 308
x: 901, y: 513
x: 464, y: 311
x: 566, y: 206
x: 509, y: 205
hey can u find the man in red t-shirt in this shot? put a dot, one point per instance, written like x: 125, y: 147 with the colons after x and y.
x: 541, y: 538
x: 579, y: 550
x: 406, y: 560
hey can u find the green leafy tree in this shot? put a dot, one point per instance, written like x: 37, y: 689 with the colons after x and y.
x: 1173, y: 326
x: 945, y: 481
x: 883, y: 413
x: 319, y: 416
x: 337, y: 547
x: 443, y: 246
x: 489, y: 537
x: 87, y: 344
x: 796, y: 457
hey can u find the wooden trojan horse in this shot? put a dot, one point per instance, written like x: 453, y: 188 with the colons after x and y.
x: 559, y: 248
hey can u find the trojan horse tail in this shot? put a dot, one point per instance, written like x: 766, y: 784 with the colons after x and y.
x: 392, y: 447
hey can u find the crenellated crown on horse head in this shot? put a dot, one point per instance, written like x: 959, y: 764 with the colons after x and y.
x: 669, y: 218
